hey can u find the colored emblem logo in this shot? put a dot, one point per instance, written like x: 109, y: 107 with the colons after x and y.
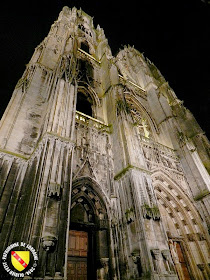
x: 19, y: 263
x: 20, y: 259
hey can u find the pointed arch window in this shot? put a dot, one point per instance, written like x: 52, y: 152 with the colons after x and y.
x: 84, y: 98
x: 84, y: 104
x: 84, y: 46
x: 141, y: 122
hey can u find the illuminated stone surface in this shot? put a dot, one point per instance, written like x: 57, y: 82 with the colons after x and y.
x: 133, y: 173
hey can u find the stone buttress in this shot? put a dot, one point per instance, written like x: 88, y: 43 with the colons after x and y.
x: 100, y: 147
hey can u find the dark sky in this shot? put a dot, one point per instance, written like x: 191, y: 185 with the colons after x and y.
x: 174, y: 35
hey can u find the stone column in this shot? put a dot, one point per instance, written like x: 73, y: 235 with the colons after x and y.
x: 49, y: 236
x: 201, y: 266
x: 175, y: 259
x: 51, y: 219
x: 156, y: 256
x: 167, y: 257
x: 137, y: 260
x: 103, y: 272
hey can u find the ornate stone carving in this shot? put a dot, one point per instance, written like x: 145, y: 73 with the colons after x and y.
x: 167, y: 257
x: 103, y: 272
x: 201, y: 266
x: 104, y: 262
x: 147, y: 213
x: 166, y: 254
x: 48, y: 242
x: 58, y: 276
x: 135, y: 256
x: 156, y: 259
x: 47, y: 115
x: 174, y: 252
x: 151, y: 212
x: 156, y: 253
x: 191, y: 237
x: 201, y: 236
x: 54, y: 190
x: 103, y: 224
x: 114, y: 222
x: 24, y: 81
x: 160, y: 156
x: 130, y: 216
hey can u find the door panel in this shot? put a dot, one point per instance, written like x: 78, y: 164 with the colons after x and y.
x: 77, y: 255
x: 182, y: 261
x: 179, y: 260
x: 77, y: 269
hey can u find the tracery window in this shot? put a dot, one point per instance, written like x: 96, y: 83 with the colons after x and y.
x: 84, y: 104
x: 139, y: 115
x: 84, y: 79
x: 141, y: 122
x: 84, y: 47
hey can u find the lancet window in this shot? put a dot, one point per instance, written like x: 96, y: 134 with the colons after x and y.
x: 84, y: 104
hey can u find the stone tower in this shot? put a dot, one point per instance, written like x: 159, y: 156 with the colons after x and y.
x: 103, y: 170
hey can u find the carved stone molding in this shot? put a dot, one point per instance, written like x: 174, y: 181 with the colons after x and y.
x: 48, y: 242
x: 156, y: 259
x: 54, y: 190
x: 114, y: 222
x: 135, y: 256
x: 151, y: 212
x: 166, y: 254
x: 130, y: 216
x: 201, y: 266
x: 201, y: 236
x: 58, y: 276
x: 104, y: 262
x: 156, y: 253
x: 103, y: 224
x: 191, y: 237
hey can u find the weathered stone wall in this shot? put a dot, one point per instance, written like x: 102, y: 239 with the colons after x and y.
x: 34, y: 198
x: 140, y: 161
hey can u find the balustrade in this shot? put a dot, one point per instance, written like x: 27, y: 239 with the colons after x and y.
x: 91, y: 122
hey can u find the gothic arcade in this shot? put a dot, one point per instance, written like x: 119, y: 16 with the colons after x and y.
x: 103, y: 170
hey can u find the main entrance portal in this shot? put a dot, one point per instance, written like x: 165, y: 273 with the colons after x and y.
x: 77, y: 255
x: 177, y: 254
x: 88, y: 249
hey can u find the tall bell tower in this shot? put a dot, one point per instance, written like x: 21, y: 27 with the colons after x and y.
x: 103, y: 170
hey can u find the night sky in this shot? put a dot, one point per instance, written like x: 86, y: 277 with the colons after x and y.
x: 174, y: 35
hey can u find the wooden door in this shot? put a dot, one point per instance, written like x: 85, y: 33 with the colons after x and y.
x: 182, y: 261
x: 77, y: 255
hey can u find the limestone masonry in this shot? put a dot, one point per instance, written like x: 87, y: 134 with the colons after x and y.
x: 102, y: 169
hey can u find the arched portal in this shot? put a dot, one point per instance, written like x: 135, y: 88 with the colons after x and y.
x: 186, y: 234
x: 88, y: 246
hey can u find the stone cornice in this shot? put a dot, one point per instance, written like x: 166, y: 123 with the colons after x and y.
x: 88, y: 56
x: 129, y: 167
x: 47, y: 134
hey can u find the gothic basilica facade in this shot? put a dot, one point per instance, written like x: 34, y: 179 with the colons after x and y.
x: 102, y: 169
